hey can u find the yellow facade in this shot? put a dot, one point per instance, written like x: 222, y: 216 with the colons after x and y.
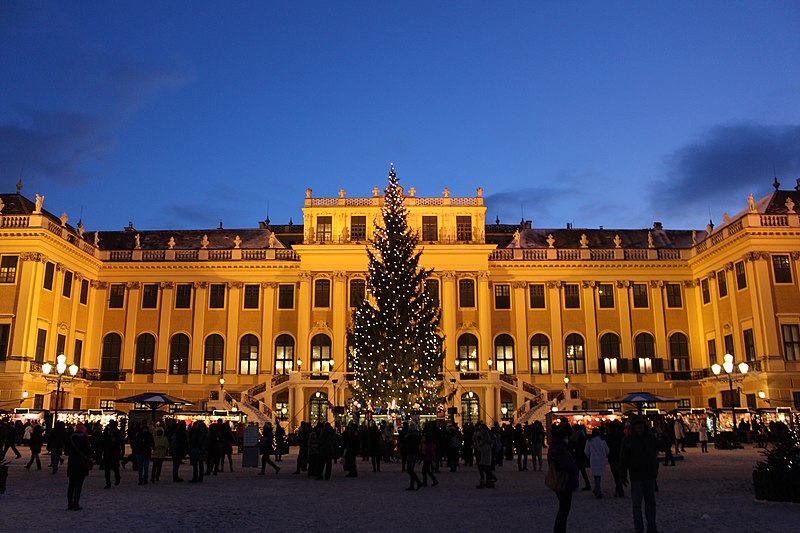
x: 69, y: 288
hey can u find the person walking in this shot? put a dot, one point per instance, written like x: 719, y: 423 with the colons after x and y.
x: 352, y: 444
x: 702, y: 436
x: 577, y: 441
x: 144, y: 451
x: 428, y: 458
x: 35, y: 446
x: 597, y: 451
x: 179, y: 447
x: 56, y: 440
x: 112, y: 444
x: 280, y: 442
x: 10, y: 440
x: 537, y: 443
x: 680, y: 435
x: 267, y: 448
x: 410, y: 450
x: 160, y: 450
x: 78, y: 465
x: 638, y: 462
x: 521, y: 448
x: 667, y: 440
x: 614, y: 441
x: 561, y: 459
x: 226, y: 437
x: 328, y: 449
x: 454, y: 447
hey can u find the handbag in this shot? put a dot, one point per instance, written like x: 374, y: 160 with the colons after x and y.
x: 556, y: 480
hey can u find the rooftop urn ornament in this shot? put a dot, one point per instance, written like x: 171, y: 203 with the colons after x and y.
x: 617, y: 241
x: 171, y: 243
x: 342, y: 194
x: 479, y: 191
x: 204, y: 242
x: 789, y: 205
x: 39, y: 202
x: 308, y: 192
x: 96, y: 239
x: 751, y: 203
x: 650, y: 243
x: 138, y: 241
x: 726, y: 218
x: 446, y: 192
x: 376, y: 191
x: 64, y: 219
x: 412, y: 191
x: 584, y: 241
x: 551, y: 241
x: 237, y: 241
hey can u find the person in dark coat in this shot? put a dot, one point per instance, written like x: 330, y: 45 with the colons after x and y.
x: 521, y: 447
x: 9, y: 440
x: 561, y: 459
x: 213, y: 449
x: 638, y: 461
x: 410, y: 450
x: 280, y: 441
x: 302, y: 445
x: 56, y: 441
x: 351, y: 446
x: 328, y: 448
x: 198, y: 438
x: 614, y: 441
x: 267, y: 448
x: 226, y: 439
x: 577, y: 445
x: 375, y: 445
x: 113, y: 445
x: 179, y: 447
x: 35, y: 445
x: 79, y: 463
x: 144, y: 451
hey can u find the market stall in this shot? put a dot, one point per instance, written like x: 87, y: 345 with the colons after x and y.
x: 588, y: 419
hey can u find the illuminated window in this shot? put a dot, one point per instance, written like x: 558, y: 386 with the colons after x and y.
x: 212, y: 356
x: 248, y: 355
x: 284, y: 354
x: 504, y: 354
x: 540, y: 354
x: 576, y: 362
x: 321, y: 362
x: 782, y: 269
x: 324, y: 229
x: 679, y: 352
x: 467, y: 360
x: 8, y: 269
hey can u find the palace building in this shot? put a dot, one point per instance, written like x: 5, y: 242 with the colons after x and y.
x: 533, y: 318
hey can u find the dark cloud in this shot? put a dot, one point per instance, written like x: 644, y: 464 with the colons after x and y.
x: 728, y: 162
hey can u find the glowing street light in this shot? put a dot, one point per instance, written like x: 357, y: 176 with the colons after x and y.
x: 729, y: 369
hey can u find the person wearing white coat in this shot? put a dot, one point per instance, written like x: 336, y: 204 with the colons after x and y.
x: 597, y: 452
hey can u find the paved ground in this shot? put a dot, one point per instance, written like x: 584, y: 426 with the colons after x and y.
x: 704, y: 493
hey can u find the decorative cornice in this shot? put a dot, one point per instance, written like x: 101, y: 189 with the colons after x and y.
x: 449, y: 274
x: 339, y: 275
x: 623, y: 283
x: 519, y: 284
x: 61, y: 267
x: 167, y: 285
x: 133, y: 285
x: 78, y: 276
x: 689, y: 283
x: 99, y: 284
x: 235, y: 284
x: 553, y: 284
x: 269, y: 284
x: 33, y: 256
x: 656, y: 283
x: 795, y: 255
x: 483, y: 275
x: 200, y: 284
x: 588, y: 284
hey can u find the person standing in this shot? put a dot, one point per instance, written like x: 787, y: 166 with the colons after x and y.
x: 410, y: 450
x: 144, y: 451
x: 561, y: 459
x: 680, y: 435
x: 428, y: 457
x: 352, y: 443
x: 614, y: 440
x: 198, y: 439
x: 35, y: 445
x: 328, y: 449
x: 55, y: 444
x: 375, y: 445
x: 280, y: 442
x: 702, y: 436
x: 113, y: 444
x: 267, y: 448
x: 537, y: 443
x: 160, y: 450
x: 577, y: 441
x: 521, y: 447
x: 485, y: 454
x: 10, y: 440
x: 179, y: 447
x: 302, y: 447
x: 638, y: 462
x: 597, y: 451
x: 78, y: 465
x: 226, y: 438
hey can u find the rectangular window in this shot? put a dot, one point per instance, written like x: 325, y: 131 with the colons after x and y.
x: 285, y: 296
x: 705, y: 291
x: 358, y: 228
x: 639, y: 295
x: 66, y: 290
x: 41, y: 343
x: 107, y: 404
x: 728, y: 341
x: 463, y: 228
x: 741, y: 277
x: 358, y: 291
x: 712, y: 351
x: 572, y: 296
x: 49, y: 272
x: 502, y: 296
x: 674, y: 298
x: 605, y: 295
x: 722, y: 283
x: 782, y: 269
x: 61, y: 344
x: 466, y: 293
x: 38, y: 401
x: 8, y: 269
x: 791, y: 342
x: 216, y: 298
x: 116, y: 296
x: 432, y: 289
x: 84, y: 297
x: 183, y: 296
x: 536, y: 293
x: 751, y: 401
x: 322, y: 293
x: 324, y: 229
x: 150, y: 296
x: 749, y: 345
x: 76, y: 357
x: 76, y: 404
x: 252, y: 294
x: 5, y: 333
x: 430, y: 228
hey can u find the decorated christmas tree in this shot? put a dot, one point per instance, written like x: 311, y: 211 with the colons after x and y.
x: 397, y: 350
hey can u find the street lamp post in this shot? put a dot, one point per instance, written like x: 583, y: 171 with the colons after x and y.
x: 61, y: 368
x: 729, y: 369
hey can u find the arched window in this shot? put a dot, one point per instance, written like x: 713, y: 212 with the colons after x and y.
x: 644, y: 346
x: 540, y: 354
x: 576, y: 360
x: 319, y: 407
x: 679, y: 352
x: 321, y: 354
x: 145, y: 353
x: 350, y: 362
x: 215, y: 348
x: 284, y: 354
x: 179, y: 354
x: 109, y: 363
x: 609, y: 346
x: 467, y: 353
x: 470, y: 408
x: 248, y: 355
x: 504, y: 354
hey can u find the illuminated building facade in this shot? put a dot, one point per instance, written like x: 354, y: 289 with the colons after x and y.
x: 268, y: 308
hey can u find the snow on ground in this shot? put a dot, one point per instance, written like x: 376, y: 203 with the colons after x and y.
x: 703, y: 493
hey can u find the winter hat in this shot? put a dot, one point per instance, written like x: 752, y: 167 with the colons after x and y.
x: 80, y: 428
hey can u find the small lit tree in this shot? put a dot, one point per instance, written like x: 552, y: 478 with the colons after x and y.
x: 397, y: 349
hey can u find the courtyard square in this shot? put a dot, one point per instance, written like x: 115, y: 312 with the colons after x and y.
x: 703, y: 493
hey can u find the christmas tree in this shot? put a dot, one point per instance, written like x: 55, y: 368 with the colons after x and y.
x: 397, y: 349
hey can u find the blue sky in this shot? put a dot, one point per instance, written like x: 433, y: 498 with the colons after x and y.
x: 180, y: 114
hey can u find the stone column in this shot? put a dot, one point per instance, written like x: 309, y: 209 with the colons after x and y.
x: 485, y: 320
